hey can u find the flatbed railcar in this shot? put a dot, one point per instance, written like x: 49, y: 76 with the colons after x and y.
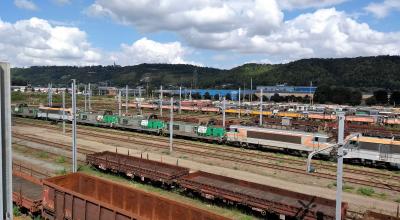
x: 27, y: 193
x: 261, y: 198
x: 265, y: 200
x: 137, y: 167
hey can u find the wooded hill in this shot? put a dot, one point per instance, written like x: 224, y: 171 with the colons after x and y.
x: 365, y: 73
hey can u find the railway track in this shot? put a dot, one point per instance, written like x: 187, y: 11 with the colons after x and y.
x: 370, y: 183
x: 52, y: 144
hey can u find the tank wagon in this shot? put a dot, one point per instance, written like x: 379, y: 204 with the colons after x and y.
x: 260, y: 198
x: 137, y: 167
x: 80, y: 196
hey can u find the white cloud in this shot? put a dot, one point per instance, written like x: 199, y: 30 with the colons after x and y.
x: 37, y: 42
x: 205, y: 16
x: 149, y: 51
x: 381, y: 10
x: 255, y: 27
x: 302, y: 4
x: 25, y: 4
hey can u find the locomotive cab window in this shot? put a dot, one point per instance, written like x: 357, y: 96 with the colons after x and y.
x: 233, y: 129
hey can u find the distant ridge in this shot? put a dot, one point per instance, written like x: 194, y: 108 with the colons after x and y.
x: 360, y: 72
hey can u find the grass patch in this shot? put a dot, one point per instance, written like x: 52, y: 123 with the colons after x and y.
x: 43, y: 154
x: 61, y: 172
x: 397, y: 200
x: 348, y: 188
x: 366, y: 191
x: 60, y: 159
x: 16, y: 211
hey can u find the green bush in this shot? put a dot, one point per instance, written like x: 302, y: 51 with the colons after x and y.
x: 366, y: 191
x: 16, y: 211
x: 60, y: 159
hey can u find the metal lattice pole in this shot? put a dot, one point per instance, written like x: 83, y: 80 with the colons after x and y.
x: 74, y: 159
x: 6, y: 203
x: 119, y: 103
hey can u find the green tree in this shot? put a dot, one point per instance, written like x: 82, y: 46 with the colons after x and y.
x: 370, y: 101
x: 216, y: 97
x: 381, y: 97
x: 228, y: 96
x: 276, y: 98
x: 323, y: 94
x: 207, y: 95
x: 395, y: 98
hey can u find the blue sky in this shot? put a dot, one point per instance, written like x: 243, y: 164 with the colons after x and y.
x: 223, y: 33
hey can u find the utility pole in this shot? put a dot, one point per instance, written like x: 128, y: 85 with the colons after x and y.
x: 311, y: 95
x: 85, y: 94
x: 74, y: 159
x: 339, y: 180
x: 251, y: 89
x: 171, y: 125
x: 50, y: 95
x: 261, y: 107
x: 126, y: 99
x: 180, y: 99
x: 6, y: 202
x: 223, y: 111
x: 119, y: 103
x: 140, y: 100
x: 239, y: 103
x: 161, y: 99
x: 63, y: 111
x: 90, y: 97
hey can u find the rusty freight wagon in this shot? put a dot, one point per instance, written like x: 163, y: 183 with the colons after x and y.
x: 139, y: 167
x: 80, y: 196
x: 27, y: 192
x: 262, y: 198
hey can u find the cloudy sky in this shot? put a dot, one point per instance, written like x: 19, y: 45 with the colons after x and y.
x: 217, y: 33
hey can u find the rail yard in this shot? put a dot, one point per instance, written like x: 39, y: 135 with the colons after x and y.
x: 203, y: 160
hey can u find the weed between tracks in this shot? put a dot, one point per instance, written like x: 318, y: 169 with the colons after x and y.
x: 170, y: 194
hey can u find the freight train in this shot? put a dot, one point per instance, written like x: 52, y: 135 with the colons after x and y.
x: 289, y: 141
x: 360, y: 117
x: 268, y: 201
